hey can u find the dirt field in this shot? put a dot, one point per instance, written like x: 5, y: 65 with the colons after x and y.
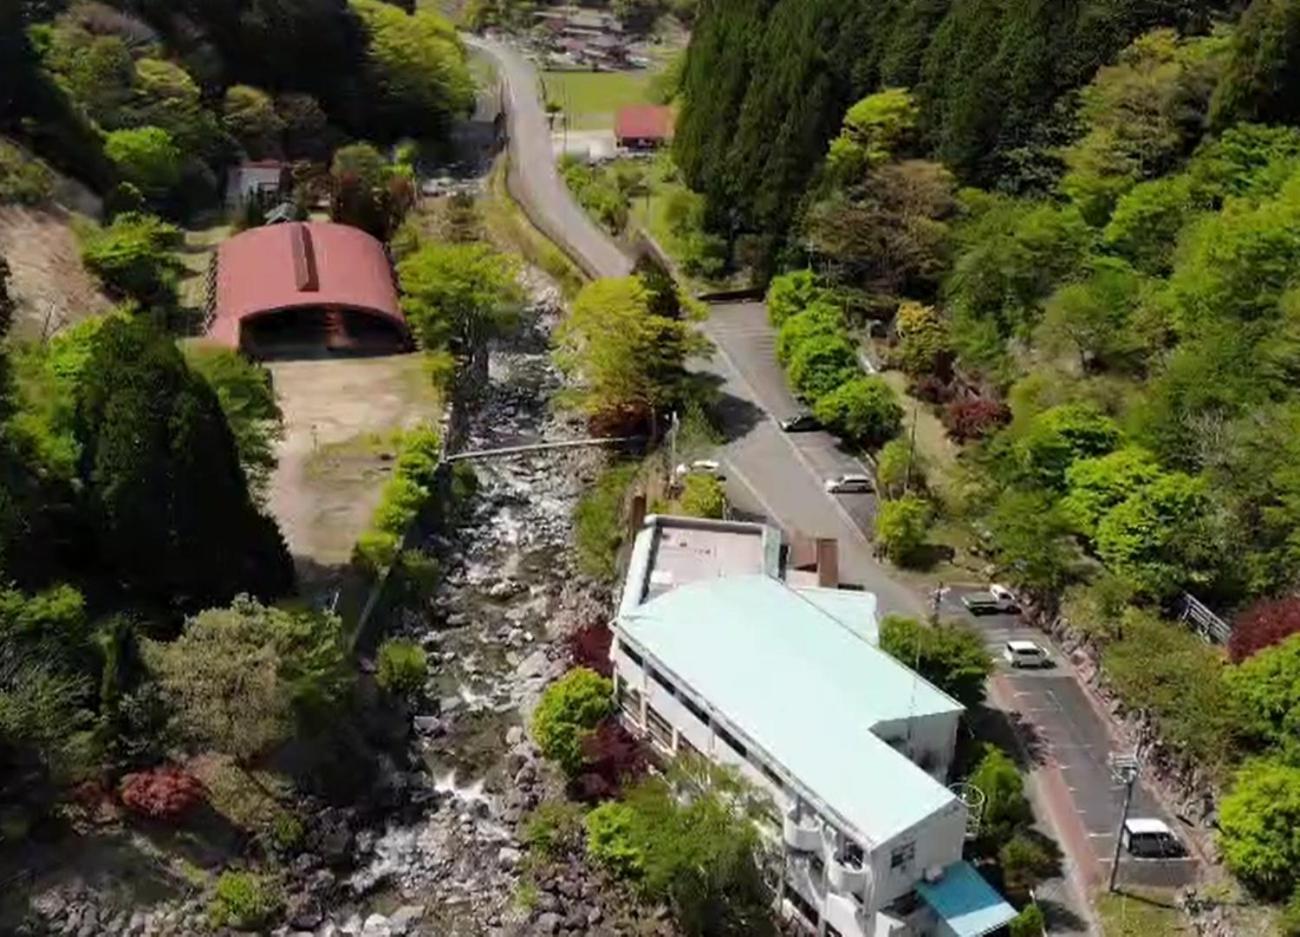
x: 341, y: 416
x: 52, y: 287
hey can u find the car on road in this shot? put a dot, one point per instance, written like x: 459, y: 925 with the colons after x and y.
x: 986, y: 603
x: 701, y: 467
x: 800, y: 423
x: 1005, y: 595
x: 1149, y: 838
x: 849, y: 485
x: 1025, y: 654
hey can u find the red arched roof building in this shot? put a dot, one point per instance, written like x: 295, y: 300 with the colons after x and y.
x: 321, y: 280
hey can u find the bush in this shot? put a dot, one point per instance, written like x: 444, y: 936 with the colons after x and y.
x: 1267, y: 622
x: 164, y: 793
x: 146, y: 157
x: 863, y: 411
x: 790, y: 294
x: 554, y: 828
x: 244, y: 901
x: 569, y: 710
x: 610, y: 840
x: 133, y: 258
x: 401, y: 667
x: 950, y: 656
x: 1027, y: 860
x: 1006, y: 808
x: 598, y: 522
x: 974, y: 418
x: 589, y: 647
x: 1028, y: 923
x: 1259, y: 827
x: 404, y: 496
x: 23, y: 180
x: 819, y: 319
x: 702, y: 496
x: 612, y: 757
x: 820, y: 365
x: 896, y: 464
x: 287, y: 832
x: 901, y: 528
x: 1288, y: 922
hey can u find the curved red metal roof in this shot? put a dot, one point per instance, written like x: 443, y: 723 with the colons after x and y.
x: 303, y: 264
x: 644, y: 122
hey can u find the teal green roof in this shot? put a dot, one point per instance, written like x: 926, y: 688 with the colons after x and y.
x: 967, y: 905
x: 804, y: 688
x: 852, y: 609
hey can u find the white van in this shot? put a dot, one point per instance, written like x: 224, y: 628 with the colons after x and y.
x: 1025, y: 654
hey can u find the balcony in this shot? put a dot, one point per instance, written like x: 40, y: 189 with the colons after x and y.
x: 803, y: 833
x: 846, y: 876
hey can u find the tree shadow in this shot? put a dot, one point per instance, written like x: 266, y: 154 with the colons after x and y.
x: 1009, y: 731
x: 1060, y: 917
x: 734, y: 417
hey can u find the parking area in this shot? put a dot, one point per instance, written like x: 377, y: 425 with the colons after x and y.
x: 1061, y: 728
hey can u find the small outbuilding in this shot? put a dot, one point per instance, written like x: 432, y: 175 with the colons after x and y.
x: 643, y: 126
x: 303, y: 288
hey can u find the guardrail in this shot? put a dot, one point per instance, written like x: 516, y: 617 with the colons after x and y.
x: 1207, y: 624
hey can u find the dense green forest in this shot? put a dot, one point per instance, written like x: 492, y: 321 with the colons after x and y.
x: 1072, y: 229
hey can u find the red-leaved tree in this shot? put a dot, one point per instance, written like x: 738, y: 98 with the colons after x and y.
x: 974, y: 418
x: 1267, y: 622
x: 613, y: 757
x: 589, y: 647
x: 164, y: 793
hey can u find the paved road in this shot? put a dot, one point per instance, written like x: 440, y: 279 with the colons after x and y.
x: 1070, y: 740
x: 534, y: 181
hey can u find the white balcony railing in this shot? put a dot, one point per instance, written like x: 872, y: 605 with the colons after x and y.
x: 846, y: 877
x: 803, y: 833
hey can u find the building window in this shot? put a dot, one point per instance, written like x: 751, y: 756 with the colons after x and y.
x: 629, y: 700
x: 903, y: 856
x: 851, y: 854
x: 772, y: 776
x: 660, y: 679
x: 630, y: 654
x: 816, y: 867
x: 832, y: 932
x: 732, y: 742
x: 661, y: 733
x: 695, y: 709
x: 684, y: 747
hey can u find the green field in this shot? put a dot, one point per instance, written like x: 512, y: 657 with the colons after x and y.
x: 592, y: 98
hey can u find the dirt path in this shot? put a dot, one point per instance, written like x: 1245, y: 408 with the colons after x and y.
x: 342, y: 417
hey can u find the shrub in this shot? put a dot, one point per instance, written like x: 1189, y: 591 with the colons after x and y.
x: 820, y: 318
x: 611, y: 840
x: 1027, y: 860
x: 401, y: 667
x: 821, y: 364
x: 554, y: 828
x: 702, y: 496
x: 22, y: 179
x: 132, y: 258
x: 1288, y: 922
x: 598, y: 522
x: 612, y: 756
x: 287, y: 832
x: 950, y: 656
x: 244, y: 901
x: 1259, y: 827
x: 1267, y: 622
x: 974, y: 418
x: 404, y: 496
x: 922, y: 339
x: 902, y: 526
x: 589, y: 647
x: 164, y: 793
x: 146, y: 157
x: 863, y: 411
x: 790, y: 294
x: 569, y: 710
x: 899, y: 468
x: 932, y: 389
x: 1028, y: 923
x: 1006, y: 809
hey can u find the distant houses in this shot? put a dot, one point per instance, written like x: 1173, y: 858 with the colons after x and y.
x: 585, y: 38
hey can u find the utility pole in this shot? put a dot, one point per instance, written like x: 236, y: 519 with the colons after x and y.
x: 1125, y: 770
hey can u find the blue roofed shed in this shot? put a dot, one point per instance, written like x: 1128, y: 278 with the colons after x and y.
x: 966, y: 905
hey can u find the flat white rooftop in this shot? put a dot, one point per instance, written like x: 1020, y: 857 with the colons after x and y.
x: 793, y: 670
x: 671, y: 552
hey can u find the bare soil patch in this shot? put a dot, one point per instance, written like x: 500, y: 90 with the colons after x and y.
x: 343, y: 418
x: 52, y: 287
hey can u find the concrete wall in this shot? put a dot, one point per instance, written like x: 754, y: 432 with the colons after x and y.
x: 930, y: 741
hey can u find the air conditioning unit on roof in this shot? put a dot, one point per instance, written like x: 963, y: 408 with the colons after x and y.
x: 934, y: 873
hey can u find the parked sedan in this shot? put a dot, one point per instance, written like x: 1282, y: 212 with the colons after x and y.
x: 800, y: 423
x: 849, y: 485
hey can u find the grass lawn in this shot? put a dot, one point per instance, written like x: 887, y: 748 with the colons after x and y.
x: 593, y: 98
x: 1135, y: 914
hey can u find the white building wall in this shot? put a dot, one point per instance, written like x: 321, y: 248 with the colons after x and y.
x: 929, y: 741
x: 936, y: 842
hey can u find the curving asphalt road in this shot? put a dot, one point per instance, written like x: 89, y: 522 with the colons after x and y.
x: 534, y: 181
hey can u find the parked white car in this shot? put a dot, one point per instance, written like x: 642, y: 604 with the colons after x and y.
x: 700, y: 467
x: 1025, y: 654
x: 849, y: 485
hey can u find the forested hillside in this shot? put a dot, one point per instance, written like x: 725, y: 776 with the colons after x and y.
x: 1074, y: 231
x: 768, y: 81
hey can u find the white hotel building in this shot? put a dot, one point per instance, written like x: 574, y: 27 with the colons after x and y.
x: 715, y: 653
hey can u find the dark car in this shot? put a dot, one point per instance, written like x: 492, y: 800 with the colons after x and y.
x: 800, y: 423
